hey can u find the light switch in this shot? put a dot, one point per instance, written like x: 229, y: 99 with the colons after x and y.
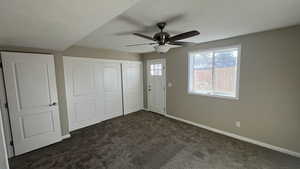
x: 170, y: 84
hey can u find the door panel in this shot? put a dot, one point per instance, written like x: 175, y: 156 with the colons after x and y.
x: 31, y: 90
x: 132, y: 86
x: 27, y: 73
x: 43, y: 120
x: 93, y: 89
x: 156, y: 84
x: 84, y: 88
x: 83, y: 79
x: 112, y: 90
x: 85, y: 110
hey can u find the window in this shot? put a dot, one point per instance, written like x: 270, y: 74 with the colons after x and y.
x: 215, y: 72
x: 156, y: 69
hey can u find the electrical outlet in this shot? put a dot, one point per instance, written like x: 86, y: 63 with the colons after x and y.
x: 238, y: 124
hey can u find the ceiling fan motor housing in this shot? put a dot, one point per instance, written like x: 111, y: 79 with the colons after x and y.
x: 161, y: 37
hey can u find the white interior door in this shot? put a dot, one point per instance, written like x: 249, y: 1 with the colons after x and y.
x: 156, y: 85
x: 84, y: 87
x: 132, y: 87
x: 112, y: 90
x: 93, y: 89
x: 32, y: 100
x: 3, y: 153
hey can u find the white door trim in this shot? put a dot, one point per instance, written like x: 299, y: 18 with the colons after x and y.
x: 4, y: 157
x: 165, y: 83
x: 100, y: 59
x: 5, y: 117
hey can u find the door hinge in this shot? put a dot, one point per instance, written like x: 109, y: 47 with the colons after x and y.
x: 6, y: 105
x: 11, y: 143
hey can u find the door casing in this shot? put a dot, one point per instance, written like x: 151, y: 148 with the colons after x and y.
x: 3, y: 158
x: 5, y: 116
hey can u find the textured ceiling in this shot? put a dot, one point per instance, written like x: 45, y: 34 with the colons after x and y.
x: 215, y: 19
x: 54, y: 24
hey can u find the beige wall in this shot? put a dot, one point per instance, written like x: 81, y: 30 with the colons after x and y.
x: 75, y: 51
x: 269, y: 105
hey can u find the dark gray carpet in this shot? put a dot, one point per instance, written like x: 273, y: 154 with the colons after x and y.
x: 145, y: 140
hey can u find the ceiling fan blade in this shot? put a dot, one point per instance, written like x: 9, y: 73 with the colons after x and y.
x: 141, y: 44
x: 143, y: 36
x: 126, y: 33
x: 172, y: 32
x: 184, y: 35
x: 182, y: 43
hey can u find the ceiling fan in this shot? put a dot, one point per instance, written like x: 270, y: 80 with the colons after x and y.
x: 162, y: 38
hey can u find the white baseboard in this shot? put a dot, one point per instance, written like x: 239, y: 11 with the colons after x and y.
x: 65, y: 136
x: 246, y: 139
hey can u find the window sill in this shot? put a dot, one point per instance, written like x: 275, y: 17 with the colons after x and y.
x: 214, y: 96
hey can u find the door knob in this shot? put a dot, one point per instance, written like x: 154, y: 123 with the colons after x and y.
x: 53, y: 104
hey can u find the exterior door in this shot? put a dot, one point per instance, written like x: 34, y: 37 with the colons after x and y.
x: 156, y: 85
x: 132, y: 87
x: 32, y: 100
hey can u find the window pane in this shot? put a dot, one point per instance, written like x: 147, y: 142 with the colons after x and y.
x: 202, y: 72
x: 225, y: 72
x: 159, y: 66
x: 152, y: 72
x: 151, y: 67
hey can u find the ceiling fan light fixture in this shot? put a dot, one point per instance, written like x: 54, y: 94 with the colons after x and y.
x: 161, y: 48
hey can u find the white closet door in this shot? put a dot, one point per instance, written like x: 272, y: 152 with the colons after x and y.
x: 93, y: 89
x: 84, y: 88
x: 32, y: 100
x: 112, y: 90
x: 132, y: 87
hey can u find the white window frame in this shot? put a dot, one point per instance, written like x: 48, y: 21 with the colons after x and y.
x: 190, y: 73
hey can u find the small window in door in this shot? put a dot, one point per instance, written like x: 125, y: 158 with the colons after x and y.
x: 156, y: 69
